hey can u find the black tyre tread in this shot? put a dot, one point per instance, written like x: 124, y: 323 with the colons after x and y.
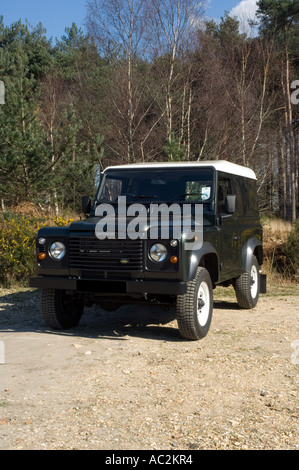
x: 49, y: 309
x: 53, y: 312
x: 243, y: 289
x: 185, y: 311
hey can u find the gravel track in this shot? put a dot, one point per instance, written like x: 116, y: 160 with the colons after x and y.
x: 127, y: 381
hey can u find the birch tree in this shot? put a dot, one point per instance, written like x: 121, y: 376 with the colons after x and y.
x: 174, y: 25
x: 280, y: 19
x: 117, y: 26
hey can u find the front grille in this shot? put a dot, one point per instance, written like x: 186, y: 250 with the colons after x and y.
x: 94, y: 255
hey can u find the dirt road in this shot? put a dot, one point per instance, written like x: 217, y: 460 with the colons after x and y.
x: 126, y: 380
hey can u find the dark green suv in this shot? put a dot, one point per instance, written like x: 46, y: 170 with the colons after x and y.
x: 164, y: 233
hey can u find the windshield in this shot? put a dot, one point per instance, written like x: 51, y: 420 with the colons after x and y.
x: 175, y: 185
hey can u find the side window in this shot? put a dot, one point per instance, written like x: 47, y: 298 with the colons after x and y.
x: 224, y: 188
x: 111, y: 189
x: 249, y: 199
x: 245, y: 196
x: 253, y: 204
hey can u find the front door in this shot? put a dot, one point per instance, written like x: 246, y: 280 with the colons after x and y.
x: 230, y: 240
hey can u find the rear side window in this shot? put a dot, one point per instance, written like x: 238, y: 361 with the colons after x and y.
x: 248, y: 196
x: 224, y: 188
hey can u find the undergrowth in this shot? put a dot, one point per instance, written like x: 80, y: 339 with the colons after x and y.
x: 281, y: 250
x: 17, y: 245
x: 18, y: 231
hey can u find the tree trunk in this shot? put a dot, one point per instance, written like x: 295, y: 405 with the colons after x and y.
x: 290, y: 140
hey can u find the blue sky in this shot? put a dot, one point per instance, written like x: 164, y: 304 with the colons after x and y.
x: 56, y: 15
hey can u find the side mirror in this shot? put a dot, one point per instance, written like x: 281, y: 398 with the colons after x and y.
x: 86, y: 205
x: 230, y: 203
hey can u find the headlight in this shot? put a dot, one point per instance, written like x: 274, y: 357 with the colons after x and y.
x: 158, y: 252
x: 57, y: 250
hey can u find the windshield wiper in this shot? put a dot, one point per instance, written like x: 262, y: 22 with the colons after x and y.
x: 144, y: 196
x: 127, y: 195
x: 138, y: 196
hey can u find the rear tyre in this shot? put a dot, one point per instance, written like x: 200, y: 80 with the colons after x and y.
x: 61, y: 311
x: 194, y: 309
x: 247, y: 286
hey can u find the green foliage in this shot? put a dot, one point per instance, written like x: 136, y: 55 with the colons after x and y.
x: 75, y: 162
x: 17, y: 245
x: 23, y: 154
x: 67, y: 102
x: 62, y: 99
x: 33, y: 44
x: 281, y: 19
x: 48, y: 153
x: 278, y: 14
x: 173, y: 150
x: 17, y: 248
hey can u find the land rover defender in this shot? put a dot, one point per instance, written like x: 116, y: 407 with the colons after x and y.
x: 118, y: 254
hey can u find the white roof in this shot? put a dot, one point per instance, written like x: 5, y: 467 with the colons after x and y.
x: 219, y: 165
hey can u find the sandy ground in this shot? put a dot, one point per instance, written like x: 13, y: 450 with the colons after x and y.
x: 126, y: 380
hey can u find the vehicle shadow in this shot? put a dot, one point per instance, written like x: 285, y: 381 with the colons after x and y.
x: 226, y: 305
x: 21, y: 312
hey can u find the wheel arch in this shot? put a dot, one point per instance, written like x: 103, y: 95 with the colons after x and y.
x: 253, y: 247
x: 207, y: 258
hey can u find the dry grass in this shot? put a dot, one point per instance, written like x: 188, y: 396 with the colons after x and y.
x: 278, y: 227
x: 276, y: 232
x: 30, y: 209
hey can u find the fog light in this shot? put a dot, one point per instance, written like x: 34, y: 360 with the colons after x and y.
x: 174, y: 243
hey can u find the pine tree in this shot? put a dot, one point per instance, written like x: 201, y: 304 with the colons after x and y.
x: 71, y: 118
x: 23, y: 155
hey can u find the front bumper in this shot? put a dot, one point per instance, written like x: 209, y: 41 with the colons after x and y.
x: 110, y: 287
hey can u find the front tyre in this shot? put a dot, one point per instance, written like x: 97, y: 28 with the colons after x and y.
x: 194, y: 309
x: 61, y: 311
x: 247, y: 286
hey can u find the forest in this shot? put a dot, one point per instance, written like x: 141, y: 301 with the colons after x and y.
x: 149, y: 80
